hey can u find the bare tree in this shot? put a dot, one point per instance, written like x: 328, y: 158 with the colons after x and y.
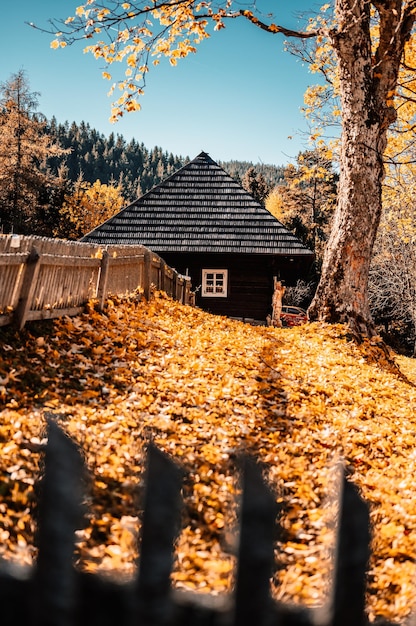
x: 392, y: 283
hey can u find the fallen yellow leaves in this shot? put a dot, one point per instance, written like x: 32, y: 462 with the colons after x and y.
x: 206, y: 389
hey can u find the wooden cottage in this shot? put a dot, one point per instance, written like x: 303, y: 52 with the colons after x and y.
x: 206, y: 225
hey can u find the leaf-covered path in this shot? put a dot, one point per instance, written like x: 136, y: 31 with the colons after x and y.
x: 206, y: 389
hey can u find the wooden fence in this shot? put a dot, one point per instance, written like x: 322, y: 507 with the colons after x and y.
x: 43, y: 278
x: 56, y: 594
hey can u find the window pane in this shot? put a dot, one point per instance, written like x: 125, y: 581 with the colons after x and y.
x: 214, y: 283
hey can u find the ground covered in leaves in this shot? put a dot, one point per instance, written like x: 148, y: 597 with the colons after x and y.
x: 204, y: 389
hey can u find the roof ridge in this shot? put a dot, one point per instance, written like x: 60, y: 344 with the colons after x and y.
x: 202, y: 192
x: 176, y: 173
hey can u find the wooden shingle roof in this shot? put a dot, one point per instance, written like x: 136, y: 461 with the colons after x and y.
x: 199, y: 208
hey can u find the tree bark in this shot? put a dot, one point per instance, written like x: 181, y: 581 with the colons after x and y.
x: 365, y: 83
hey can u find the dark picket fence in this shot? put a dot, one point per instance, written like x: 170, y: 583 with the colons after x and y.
x: 56, y: 594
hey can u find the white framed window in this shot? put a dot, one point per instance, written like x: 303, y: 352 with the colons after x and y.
x: 214, y: 283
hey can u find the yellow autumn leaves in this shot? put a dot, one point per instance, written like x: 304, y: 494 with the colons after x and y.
x: 206, y: 389
x: 171, y: 30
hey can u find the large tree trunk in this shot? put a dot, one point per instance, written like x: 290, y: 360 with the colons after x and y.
x: 342, y: 294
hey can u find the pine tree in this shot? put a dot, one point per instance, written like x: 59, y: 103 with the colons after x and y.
x: 25, y: 181
x: 255, y: 183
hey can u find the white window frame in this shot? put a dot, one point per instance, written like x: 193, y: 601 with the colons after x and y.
x: 213, y: 286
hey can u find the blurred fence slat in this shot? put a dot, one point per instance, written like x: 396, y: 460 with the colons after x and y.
x: 54, y: 593
x: 161, y: 523
x: 60, y: 510
x: 255, y: 556
x: 351, y: 558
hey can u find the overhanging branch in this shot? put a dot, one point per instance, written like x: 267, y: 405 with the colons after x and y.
x: 274, y: 28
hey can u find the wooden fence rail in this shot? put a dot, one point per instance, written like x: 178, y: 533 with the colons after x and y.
x: 43, y: 278
x: 56, y: 594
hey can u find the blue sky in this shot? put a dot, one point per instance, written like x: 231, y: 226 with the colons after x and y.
x: 238, y: 98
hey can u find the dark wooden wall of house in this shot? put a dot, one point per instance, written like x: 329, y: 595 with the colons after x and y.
x: 250, y: 279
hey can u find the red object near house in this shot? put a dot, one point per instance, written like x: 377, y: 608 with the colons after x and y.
x: 293, y: 316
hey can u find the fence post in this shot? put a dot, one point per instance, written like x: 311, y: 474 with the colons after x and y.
x: 60, y: 514
x: 187, y: 291
x: 27, y: 288
x: 253, y: 603
x: 146, y: 273
x: 175, y: 285
x: 179, y: 288
x: 351, y: 558
x: 162, y: 281
x: 102, y: 282
x: 161, y: 523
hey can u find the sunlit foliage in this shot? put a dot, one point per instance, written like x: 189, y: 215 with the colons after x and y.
x: 26, y: 184
x: 88, y: 206
x: 321, y: 99
x: 305, y: 201
x: 205, y: 389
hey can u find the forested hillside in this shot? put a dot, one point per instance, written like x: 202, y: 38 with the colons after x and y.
x: 130, y: 164
x: 272, y: 174
x: 110, y: 159
x: 63, y: 179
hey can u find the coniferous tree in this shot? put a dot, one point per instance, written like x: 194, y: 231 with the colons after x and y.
x: 272, y: 174
x: 94, y: 156
x: 255, y: 183
x: 26, y: 183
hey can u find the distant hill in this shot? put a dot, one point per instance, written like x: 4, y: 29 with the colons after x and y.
x: 273, y: 174
x: 130, y: 163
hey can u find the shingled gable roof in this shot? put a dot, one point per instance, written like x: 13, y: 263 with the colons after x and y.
x: 199, y: 208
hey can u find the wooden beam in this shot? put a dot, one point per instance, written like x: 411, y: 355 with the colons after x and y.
x: 146, y: 273
x: 103, y: 280
x: 27, y: 288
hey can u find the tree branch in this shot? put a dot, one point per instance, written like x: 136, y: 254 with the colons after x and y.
x: 274, y: 28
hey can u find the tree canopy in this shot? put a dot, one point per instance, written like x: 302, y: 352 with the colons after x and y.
x: 305, y: 201
x: 87, y: 207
